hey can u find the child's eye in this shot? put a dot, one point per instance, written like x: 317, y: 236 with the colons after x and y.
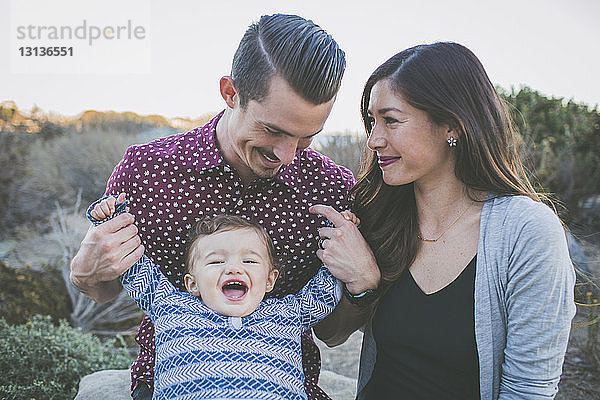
x: 215, y: 262
x: 250, y: 262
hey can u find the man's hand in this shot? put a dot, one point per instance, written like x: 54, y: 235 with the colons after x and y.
x: 345, y: 252
x: 106, y: 252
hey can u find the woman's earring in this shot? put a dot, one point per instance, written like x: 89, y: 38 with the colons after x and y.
x: 452, y: 141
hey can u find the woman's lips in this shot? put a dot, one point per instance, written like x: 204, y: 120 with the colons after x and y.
x: 387, y: 160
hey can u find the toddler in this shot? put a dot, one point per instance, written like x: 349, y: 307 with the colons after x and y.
x: 222, y: 339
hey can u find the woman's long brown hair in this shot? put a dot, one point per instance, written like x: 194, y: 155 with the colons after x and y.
x: 448, y: 82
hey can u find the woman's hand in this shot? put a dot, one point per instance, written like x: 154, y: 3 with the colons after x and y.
x: 345, y: 252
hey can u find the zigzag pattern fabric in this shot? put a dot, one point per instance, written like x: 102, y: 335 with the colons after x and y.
x: 201, y: 354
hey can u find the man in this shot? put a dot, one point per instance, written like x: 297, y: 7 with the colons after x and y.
x: 252, y: 160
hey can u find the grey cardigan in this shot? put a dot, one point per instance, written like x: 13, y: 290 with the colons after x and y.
x: 524, y: 302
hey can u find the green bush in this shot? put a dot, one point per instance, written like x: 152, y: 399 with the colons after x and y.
x: 26, y: 292
x: 562, y: 143
x: 345, y: 149
x: 59, y: 169
x: 40, y: 360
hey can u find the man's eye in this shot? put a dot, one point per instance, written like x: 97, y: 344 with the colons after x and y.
x: 273, y: 133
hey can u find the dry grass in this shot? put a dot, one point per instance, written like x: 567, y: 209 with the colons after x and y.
x: 117, y: 317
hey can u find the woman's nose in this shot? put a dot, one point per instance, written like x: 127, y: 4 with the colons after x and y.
x: 376, y: 139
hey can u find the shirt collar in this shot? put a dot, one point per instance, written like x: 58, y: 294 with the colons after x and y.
x: 208, y: 155
x: 211, y: 157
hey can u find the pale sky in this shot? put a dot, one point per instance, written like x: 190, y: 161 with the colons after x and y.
x: 552, y: 46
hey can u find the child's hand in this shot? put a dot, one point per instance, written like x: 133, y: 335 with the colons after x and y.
x: 106, y: 207
x: 350, y: 216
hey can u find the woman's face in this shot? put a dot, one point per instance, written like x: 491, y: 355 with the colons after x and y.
x: 409, y: 146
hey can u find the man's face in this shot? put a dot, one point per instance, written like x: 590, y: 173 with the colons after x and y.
x: 267, y: 134
x: 231, y: 271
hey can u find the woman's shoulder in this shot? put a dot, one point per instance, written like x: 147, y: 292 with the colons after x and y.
x: 525, y: 237
x: 513, y: 223
x: 518, y: 211
x: 522, y: 226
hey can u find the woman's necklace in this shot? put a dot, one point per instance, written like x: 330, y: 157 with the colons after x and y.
x: 445, y: 230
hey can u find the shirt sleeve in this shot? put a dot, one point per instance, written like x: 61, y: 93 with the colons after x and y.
x: 318, y: 298
x: 121, y: 177
x: 539, y: 307
x: 145, y: 284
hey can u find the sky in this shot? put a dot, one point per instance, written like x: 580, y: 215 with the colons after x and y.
x: 552, y: 46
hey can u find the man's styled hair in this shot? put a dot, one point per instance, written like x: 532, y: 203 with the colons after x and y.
x: 294, y: 48
x: 222, y: 223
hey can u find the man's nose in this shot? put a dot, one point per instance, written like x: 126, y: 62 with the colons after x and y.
x: 286, y: 150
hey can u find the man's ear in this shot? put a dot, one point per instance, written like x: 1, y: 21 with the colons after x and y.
x: 191, y: 285
x: 228, y: 91
x: 273, y: 274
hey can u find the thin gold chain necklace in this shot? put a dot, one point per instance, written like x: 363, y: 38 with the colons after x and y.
x: 445, y: 230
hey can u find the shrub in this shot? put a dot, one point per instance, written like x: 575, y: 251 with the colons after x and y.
x: 25, y: 292
x: 117, y: 317
x: 39, y: 360
x: 562, y: 143
x: 346, y: 149
x: 13, y: 166
x: 59, y: 169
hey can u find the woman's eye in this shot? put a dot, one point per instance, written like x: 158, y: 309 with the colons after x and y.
x: 390, y: 120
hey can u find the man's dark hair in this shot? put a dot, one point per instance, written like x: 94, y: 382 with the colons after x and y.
x: 296, y: 49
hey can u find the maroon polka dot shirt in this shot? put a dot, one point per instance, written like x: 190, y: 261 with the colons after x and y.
x: 173, y: 182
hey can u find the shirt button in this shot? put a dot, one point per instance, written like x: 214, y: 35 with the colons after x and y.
x: 240, y: 202
x: 235, y: 322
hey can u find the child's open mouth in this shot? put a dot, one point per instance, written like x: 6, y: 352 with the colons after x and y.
x: 234, y: 289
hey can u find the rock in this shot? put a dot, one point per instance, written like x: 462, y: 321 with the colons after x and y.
x: 338, y: 387
x: 342, y: 359
x: 577, y: 255
x: 103, y: 385
x: 114, y: 385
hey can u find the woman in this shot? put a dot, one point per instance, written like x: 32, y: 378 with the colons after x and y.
x: 476, y: 288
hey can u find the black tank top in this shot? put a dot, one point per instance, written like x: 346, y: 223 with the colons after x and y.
x: 426, y: 343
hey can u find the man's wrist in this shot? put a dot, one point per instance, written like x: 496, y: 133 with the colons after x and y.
x: 77, y: 284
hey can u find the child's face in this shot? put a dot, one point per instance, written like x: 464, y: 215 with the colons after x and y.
x: 231, y: 271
